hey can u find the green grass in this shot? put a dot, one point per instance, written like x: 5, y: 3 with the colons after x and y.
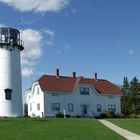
x: 132, y: 125
x: 55, y: 129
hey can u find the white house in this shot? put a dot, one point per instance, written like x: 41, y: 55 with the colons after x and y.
x: 72, y: 95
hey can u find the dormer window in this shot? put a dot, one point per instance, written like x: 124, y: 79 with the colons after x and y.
x: 84, y: 91
x: 8, y: 93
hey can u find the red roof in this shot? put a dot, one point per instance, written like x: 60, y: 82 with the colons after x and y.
x: 67, y: 84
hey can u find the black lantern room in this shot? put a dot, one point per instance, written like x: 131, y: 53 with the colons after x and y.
x: 10, y: 36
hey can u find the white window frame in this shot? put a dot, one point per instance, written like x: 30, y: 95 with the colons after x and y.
x: 112, y: 107
x: 70, y: 107
x: 99, y: 108
x: 84, y: 91
x: 55, y: 106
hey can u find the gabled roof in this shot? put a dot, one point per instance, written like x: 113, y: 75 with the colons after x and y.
x: 67, y: 84
x: 53, y: 83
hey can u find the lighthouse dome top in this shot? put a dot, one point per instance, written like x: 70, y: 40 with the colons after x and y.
x: 11, y: 36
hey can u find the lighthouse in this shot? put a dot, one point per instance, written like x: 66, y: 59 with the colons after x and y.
x: 10, y: 72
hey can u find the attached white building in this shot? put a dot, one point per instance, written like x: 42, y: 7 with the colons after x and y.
x: 72, y: 95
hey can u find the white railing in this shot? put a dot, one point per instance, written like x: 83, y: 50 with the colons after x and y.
x: 7, y: 39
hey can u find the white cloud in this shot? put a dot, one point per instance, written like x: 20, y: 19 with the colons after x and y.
x: 2, y: 25
x: 49, y: 36
x: 58, y: 51
x: 73, y: 10
x: 37, y: 5
x: 131, y: 52
x: 26, y: 62
x: 33, y: 42
x: 68, y: 46
x: 27, y: 71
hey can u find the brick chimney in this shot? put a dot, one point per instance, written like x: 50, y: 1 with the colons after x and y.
x: 95, y: 76
x: 74, y: 74
x: 57, y: 72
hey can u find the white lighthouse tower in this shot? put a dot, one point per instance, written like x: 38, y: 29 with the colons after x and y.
x: 10, y: 72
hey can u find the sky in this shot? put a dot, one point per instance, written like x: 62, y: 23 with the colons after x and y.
x: 85, y: 36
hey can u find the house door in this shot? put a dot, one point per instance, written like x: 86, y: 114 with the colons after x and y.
x: 84, y: 109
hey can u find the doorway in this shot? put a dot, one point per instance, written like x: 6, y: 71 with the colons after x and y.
x: 84, y: 109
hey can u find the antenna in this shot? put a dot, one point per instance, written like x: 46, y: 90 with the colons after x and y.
x: 21, y: 24
x: 31, y: 79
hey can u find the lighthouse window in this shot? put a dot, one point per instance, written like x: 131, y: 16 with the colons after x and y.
x: 8, y: 93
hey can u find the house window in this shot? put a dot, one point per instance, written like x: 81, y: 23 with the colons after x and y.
x: 70, y: 107
x: 99, y: 108
x: 55, y: 106
x: 38, y: 106
x: 30, y: 107
x: 37, y: 90
x: 8, y: 93
x: 84, y: 91
x: 112, y: 107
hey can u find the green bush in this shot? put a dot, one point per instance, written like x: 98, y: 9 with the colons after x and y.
x: 77, y: 116
x: 110, y: 113
x: 68, y: 116
x: 138, y: 116
x: 107, y: 114
x: 133, y: 115
x: 119, y: 115
x: 98, y: 117
x: 103, y: 115
x: 59, y: 115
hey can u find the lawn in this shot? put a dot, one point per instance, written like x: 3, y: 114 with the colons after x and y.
x: 54, y: 129
x: 132, y: 125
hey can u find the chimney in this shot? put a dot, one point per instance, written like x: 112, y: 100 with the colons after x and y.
x: 95, y: 76
x: 74, y: 74
x: 57, y: 72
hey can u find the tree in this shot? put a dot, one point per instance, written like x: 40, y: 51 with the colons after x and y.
x: 130, y: 102
x: 125, y: 99
x: 134, y: 90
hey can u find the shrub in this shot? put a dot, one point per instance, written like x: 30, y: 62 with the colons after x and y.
x: 59, y: 115
x: 133, y: 115
x: 68, y: 116
x: 103, y: 115
x: 107, y: 114
x: 97, y: 117
x: 110, y: 113
x: 119, y: 115
x: 138, y: 116
x: 77, y: 116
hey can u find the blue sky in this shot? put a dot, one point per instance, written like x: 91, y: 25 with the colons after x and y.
x: 85, y: 36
